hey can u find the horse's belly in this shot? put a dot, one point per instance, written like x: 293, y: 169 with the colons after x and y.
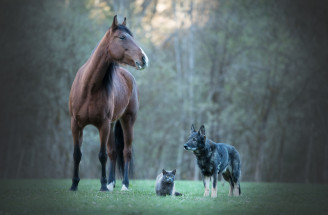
x: 96, y: 115
x: 91, y: 113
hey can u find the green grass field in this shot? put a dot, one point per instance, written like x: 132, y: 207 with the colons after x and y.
x: 54, y: 197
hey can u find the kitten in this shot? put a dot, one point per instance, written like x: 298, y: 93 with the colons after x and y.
x: 165, y: 184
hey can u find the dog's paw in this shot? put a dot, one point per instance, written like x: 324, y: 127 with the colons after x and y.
x: 236, y: 192
x: 214, y: 193
x: 207, y: 193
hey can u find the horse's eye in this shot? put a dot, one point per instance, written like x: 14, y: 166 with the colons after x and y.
x: 122, y: 37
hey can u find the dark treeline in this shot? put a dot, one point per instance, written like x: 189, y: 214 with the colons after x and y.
x: 253, y: 72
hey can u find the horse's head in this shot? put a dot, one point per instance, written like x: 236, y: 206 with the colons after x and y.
x: 123, y: 48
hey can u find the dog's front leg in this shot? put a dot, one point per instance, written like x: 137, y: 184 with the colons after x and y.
x: 207, y: 185
x: 214, y: 187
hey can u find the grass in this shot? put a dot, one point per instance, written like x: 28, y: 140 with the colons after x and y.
x: 54, y: 197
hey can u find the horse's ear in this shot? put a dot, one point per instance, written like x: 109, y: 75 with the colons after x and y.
x: 124, y: 22
x: 202, y: 130
x: 192, y: 129
x: 115, y: 23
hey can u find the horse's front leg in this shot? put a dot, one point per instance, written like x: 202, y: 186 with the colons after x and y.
x: 112, y: 154
x: 77, y: 134
x: 104, y: 132
x: 127, y: 125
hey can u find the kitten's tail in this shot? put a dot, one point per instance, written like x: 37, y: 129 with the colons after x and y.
x: 177, y: 194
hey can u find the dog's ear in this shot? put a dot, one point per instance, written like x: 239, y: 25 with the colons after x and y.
x: 164, y: 172
x: 174, y: 171
x: 202, y: 130
x: 192, y: 129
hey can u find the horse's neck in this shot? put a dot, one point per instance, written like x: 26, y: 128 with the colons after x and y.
x: 98, y: 66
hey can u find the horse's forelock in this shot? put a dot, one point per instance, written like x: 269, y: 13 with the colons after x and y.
x: 123, y: 28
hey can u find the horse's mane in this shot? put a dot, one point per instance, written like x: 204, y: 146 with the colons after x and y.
x: 107, y: 81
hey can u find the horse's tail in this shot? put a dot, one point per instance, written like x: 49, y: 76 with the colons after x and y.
x: 119, y: 145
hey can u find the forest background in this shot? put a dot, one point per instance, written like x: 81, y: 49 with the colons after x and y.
x: 253, y: 72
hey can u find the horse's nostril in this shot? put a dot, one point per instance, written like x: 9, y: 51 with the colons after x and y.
x: 143, y: 59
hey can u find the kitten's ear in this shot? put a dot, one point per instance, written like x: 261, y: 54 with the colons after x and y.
x: 174, y: 171
x: 164, y: 172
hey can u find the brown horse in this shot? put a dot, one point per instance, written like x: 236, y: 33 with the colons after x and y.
x: 104, y: 93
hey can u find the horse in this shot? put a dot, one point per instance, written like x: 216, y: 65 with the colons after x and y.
x: 105, y: 95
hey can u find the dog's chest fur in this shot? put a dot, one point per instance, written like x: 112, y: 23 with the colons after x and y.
x: 212, y: 159
x: 207, y: 161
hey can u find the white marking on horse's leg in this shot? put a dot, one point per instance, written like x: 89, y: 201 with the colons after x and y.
x: 110, y: 186
x: 124, y: 188
x: 207, y: 185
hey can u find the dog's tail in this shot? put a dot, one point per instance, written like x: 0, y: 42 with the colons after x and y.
x: 119, y: 146
x: 239, y: 188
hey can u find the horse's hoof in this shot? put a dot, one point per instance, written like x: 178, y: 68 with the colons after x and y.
x: 111, y: 186
x: 104, y: 188
x: 124, y: 188
x: 73, y: 188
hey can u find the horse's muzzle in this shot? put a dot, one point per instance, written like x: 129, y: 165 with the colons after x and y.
x: 143, y: 64
x: 144, y: 61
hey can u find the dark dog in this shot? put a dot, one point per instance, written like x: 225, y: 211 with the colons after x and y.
x: 213, y: 159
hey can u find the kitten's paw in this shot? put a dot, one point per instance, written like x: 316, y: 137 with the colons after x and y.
x: 110, y: 186
x: 124, y: 188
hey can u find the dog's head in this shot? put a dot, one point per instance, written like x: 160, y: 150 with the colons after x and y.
x: 196, y: 140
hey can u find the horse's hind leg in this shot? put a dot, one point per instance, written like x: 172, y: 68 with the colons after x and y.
x: 104, y: 134
x: 127, y: 123
x: 77, y: 154
x: 112, y: 154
